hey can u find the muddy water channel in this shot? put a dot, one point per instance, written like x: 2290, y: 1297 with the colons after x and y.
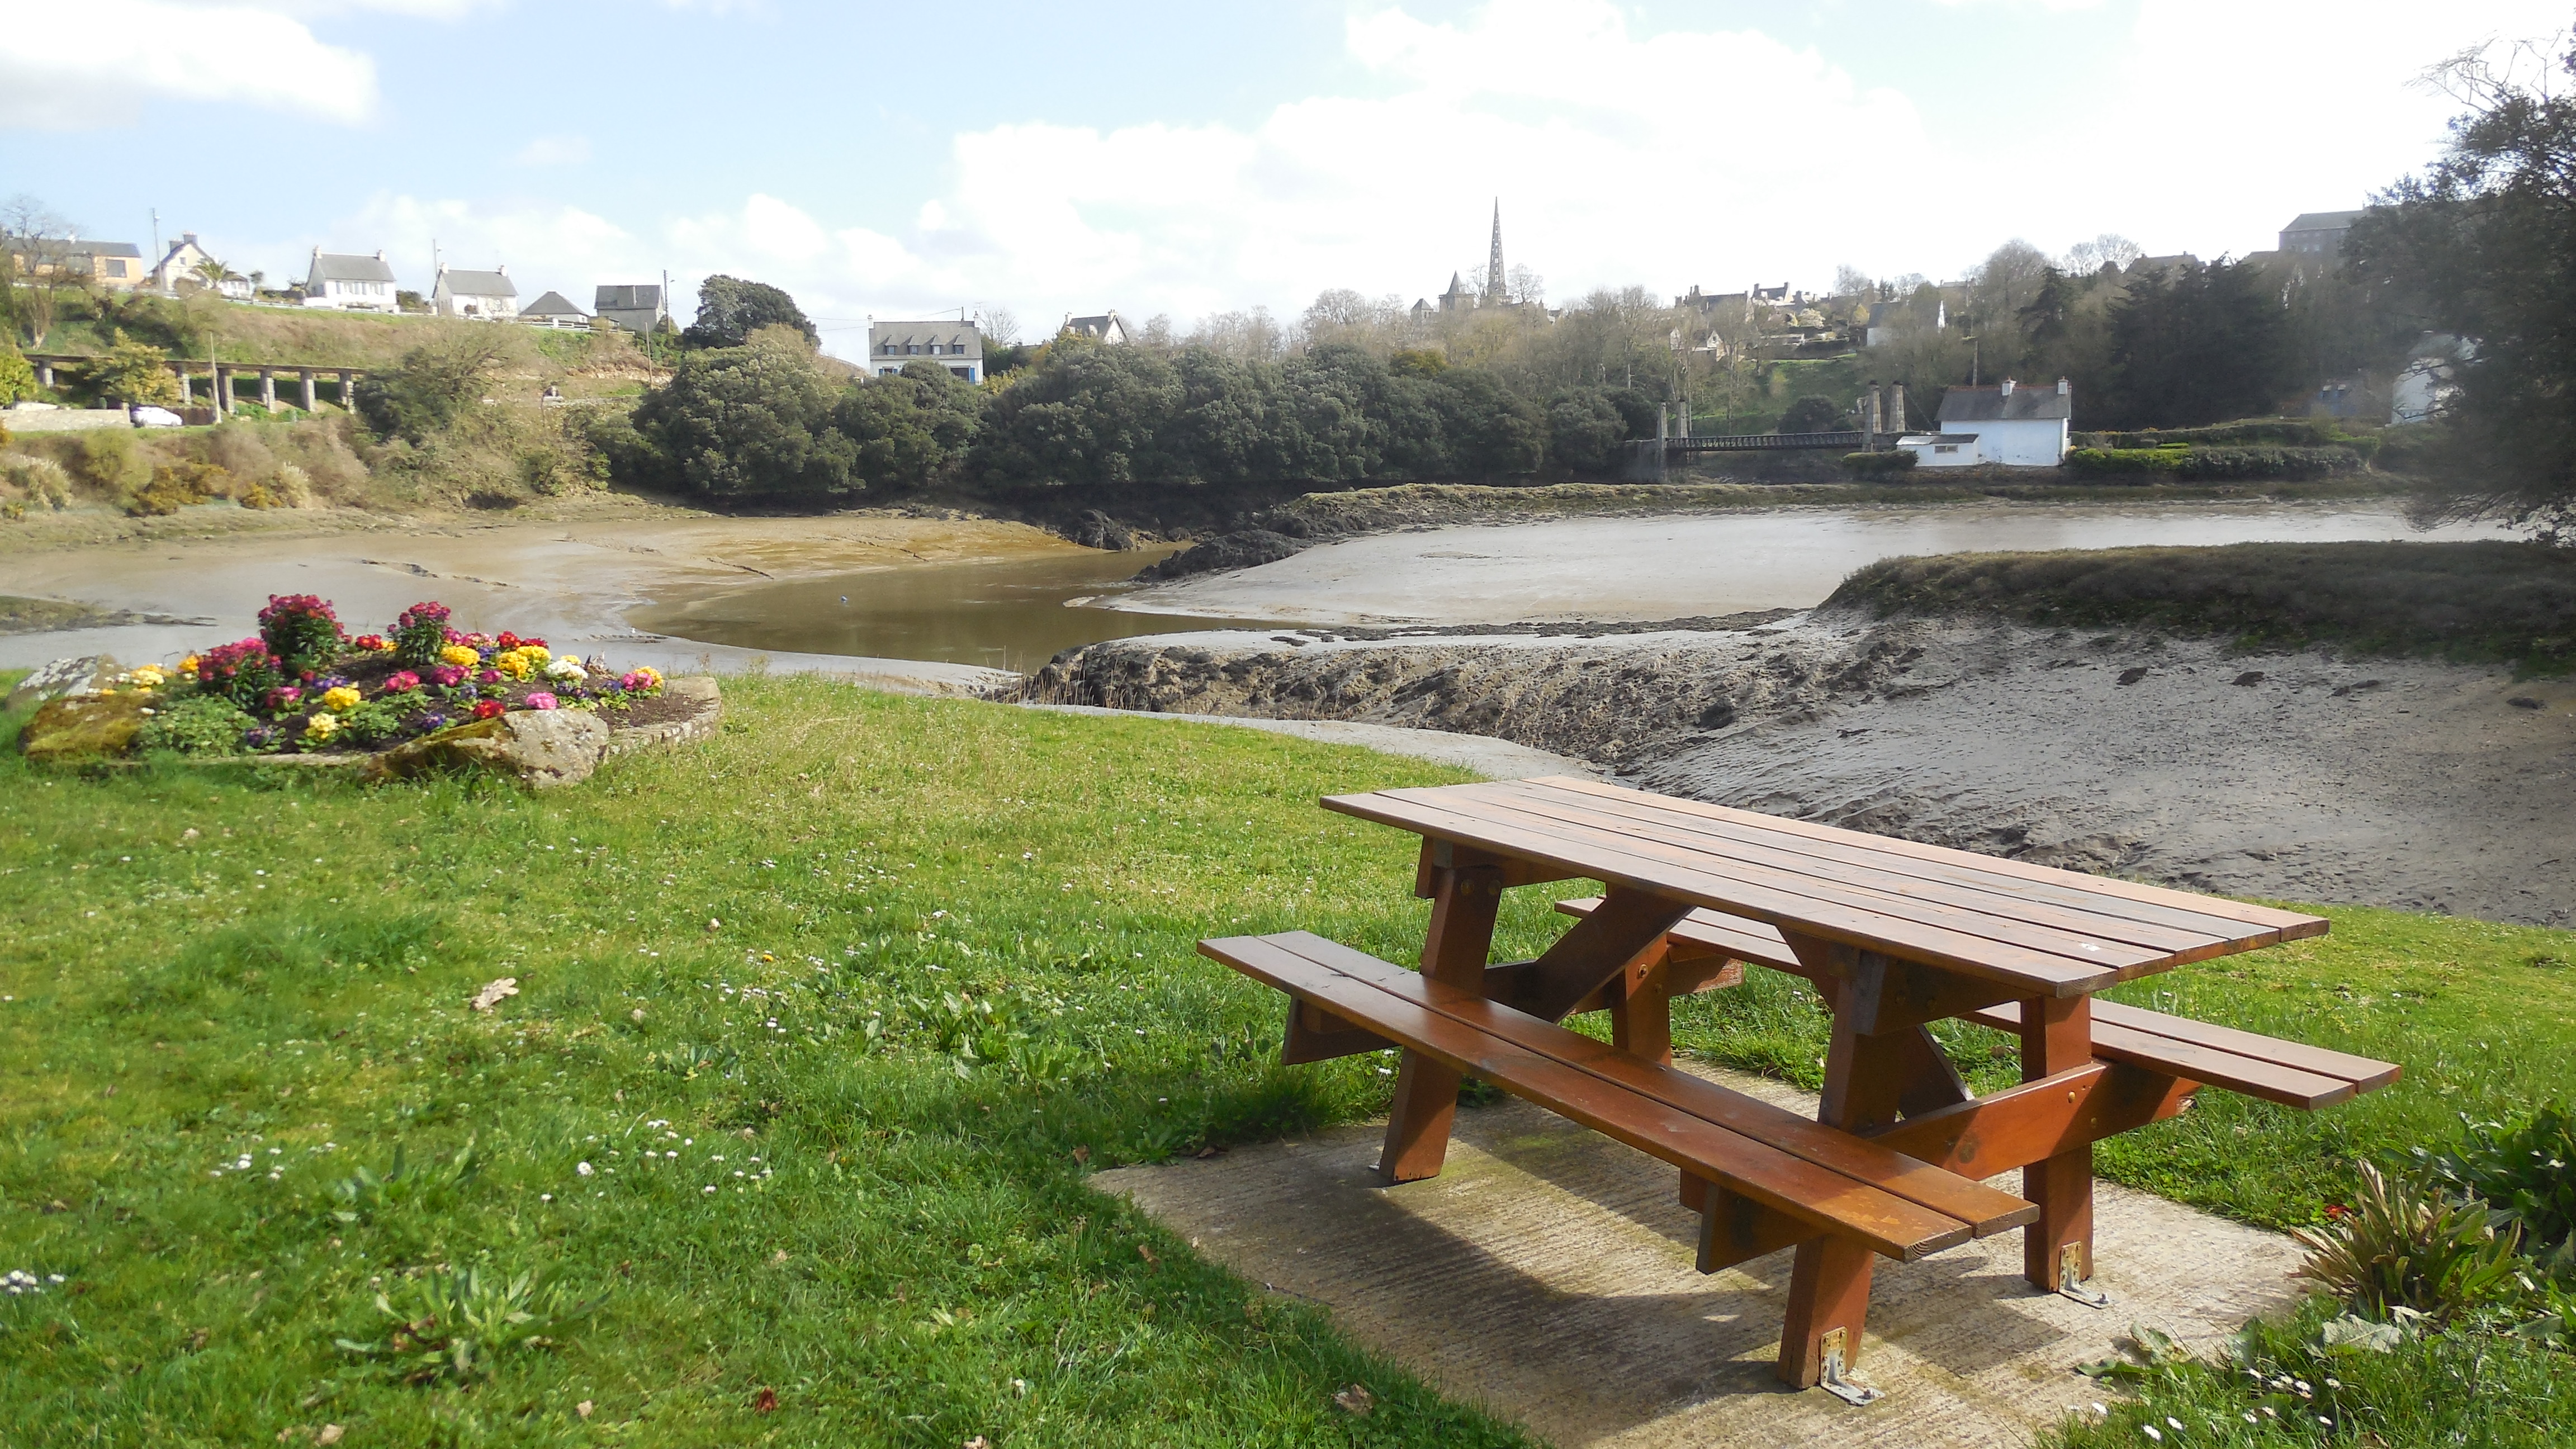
x: 1017, y: 613
x: 1006, y: 615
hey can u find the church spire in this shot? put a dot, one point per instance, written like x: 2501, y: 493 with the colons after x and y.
x: 1494, y: 260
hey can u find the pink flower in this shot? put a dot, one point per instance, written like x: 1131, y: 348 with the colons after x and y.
x: 488, y: 676
x: 541, y: 700
x: 401, y: 681
x: 446, y: 676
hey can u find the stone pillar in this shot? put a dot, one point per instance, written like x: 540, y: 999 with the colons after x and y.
x: 44, y: 374
x: 305, y: 374
x: 223, y: 390
x: 268, y: 388
x: 187, y: 386
x: 1896, y: 407
x: 346, y: 400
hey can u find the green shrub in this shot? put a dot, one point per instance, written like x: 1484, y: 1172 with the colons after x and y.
x: 2278, y: 432
x: 2404, y: 1243
x: 2526, y: 1173
x: 2187, y: 461
x: 2137, y: 463
x: 135, y: 372
x: 176, y: 485
x: 204, y: 724
x: 17, y: 378
x: 1879, y: 465
x: 372, y: 722
x: 1812, y: 414
x: 109, y: 463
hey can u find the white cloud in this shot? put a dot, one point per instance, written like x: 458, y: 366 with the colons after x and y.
x: 554, y: 151
x: 99, y: 65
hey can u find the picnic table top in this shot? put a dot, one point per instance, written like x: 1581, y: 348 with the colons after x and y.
x: 2054, y: 932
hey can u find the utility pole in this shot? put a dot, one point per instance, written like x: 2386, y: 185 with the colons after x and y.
x: 156, y: 242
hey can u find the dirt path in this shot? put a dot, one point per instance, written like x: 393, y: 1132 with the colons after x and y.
x: 2306, y: 775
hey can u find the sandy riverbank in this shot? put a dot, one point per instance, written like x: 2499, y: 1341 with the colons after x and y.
x: 573, y: 580
x: 2303, y: 775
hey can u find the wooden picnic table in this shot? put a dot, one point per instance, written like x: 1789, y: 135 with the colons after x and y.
x: 1894, y: 935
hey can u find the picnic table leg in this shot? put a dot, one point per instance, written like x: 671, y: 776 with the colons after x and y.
x: 1829, y: 1282
x: 1641, y: 1010
x: 1464, y: 899
x: 2057, y: 1036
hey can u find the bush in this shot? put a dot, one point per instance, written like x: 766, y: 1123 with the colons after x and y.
x: 17, y: 377
x: 1812, y: 414
x: 300, y: 630
x: 109, y: 464
x: 176, y: 485
x: 2137, y: 463
x: 135, y: 373
x: 2188, y: 462
x: 2283, y: 432
x: 2404, y: 1243
x: 423, y: 393
x: 205, y: 724
x: 748, y: 421
x: 42, y: 480
x: 1880, y: 465
x: 2525, y: 1173
x: 730, y: 310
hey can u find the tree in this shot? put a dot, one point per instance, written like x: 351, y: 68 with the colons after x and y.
x: 211, y: 273
x: 1088, y: 416
x: 17, y: 379
x: 1584, y: 431
x: 39, y: 241
x: 2194, y: 345
x: 1812, y: 414
x: 762, y: 419
x: 2110, y: 249
x: 910, y: 430
x: 731, y: 309
x: 2484, y: 248
x: 424, y: 392
x: 135, y: 373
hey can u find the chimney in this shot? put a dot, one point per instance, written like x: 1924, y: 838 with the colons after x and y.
x: 189, y: 237
x: 503, y: 269
x: 2008, y: 387
x: 380, y: 254
x: 2062, y: 388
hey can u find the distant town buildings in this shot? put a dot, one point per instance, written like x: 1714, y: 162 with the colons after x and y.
x: 110, y: 264
x: 350, y: 283
x: 183, y: 265
x: 1105, y: 329
x: 491, y: 295
x: 636, y: 307
x: 2318, y: 234
x: 1460, y: 297
x: 957, y: 346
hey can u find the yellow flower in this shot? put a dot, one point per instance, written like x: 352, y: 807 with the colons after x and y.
x: 188, y: 665
x: 512, y: 662
x: 649, y: 672
x: 340, y: 697
x: 460, y: 655
x: 321, y: 726
x: 535, y: 653
x: 149, y: 677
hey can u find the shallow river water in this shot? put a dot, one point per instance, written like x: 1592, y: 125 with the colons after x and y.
x: 1014, y: 615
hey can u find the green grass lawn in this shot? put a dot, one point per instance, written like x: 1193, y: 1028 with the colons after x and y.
x: 839, y: 1009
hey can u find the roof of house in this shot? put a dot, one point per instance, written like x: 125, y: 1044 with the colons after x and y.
x: 1094, y: 326
x: 1917, y: 440
x: 65, y: 247
x: 552, y: 304
x: 626, y: 298
x: 947, y: 334
x: 478, y: 284
x: 1990, y: 405
x: 2323, y: 221
x: 336, y: 267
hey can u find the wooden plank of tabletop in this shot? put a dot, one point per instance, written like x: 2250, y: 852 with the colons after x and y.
x: 2079, y: 947
x: 1677, y: 831
x: 2292, y: 925
x: 1960, y: 869
x: 2041, y: 973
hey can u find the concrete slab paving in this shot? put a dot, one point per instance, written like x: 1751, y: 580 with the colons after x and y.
x: 1547, y: 1275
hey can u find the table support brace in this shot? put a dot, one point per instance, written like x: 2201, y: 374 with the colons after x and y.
x: 1465, y: 895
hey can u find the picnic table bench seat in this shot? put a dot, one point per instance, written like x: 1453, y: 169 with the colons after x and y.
x: 1827, y: 1180
x: 2290, y: 1073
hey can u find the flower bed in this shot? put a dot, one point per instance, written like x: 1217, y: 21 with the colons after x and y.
x: 304, y: 686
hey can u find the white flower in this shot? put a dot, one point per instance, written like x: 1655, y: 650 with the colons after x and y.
x: 710, y: 1187
x: 582, y: 1167
x: 567, y: 669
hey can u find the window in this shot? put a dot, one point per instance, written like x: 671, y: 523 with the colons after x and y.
x: 115, y: 268
x: 1945, y: 447
x: 915, y: 348
x: 934, y: 349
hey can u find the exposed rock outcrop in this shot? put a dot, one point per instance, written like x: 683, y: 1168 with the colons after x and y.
x: 541, y: 749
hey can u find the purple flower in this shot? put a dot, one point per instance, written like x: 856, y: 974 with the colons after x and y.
x: 258, y: 737
x: 427, y: 722
x: 541, y: 700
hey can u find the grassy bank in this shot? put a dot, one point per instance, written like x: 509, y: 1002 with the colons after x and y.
x: 2487, y: 602
x: 1365, y: 510
x: 911, y: 969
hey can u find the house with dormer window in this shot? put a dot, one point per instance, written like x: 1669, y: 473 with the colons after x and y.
x: 956, y: 346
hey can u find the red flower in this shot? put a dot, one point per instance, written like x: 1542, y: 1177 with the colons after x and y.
x: 508, y: 640
x: 487, y: 708
x: 2337, y: 1210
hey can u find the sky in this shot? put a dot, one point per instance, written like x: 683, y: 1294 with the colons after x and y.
x: 910, y: 160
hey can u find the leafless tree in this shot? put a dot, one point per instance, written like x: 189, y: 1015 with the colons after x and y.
x: 2109, y: 249
x: 998, y: 325
x: 1157, y: 333
x: 1253, y: 336
x: 1526, y: 288
x: 45, y: 261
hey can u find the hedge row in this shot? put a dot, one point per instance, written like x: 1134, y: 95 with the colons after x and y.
x: 2256, y: 432
x: 2146, y: 464
x: 1871, y: 465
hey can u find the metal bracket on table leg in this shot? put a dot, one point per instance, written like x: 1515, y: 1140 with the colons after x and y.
x: 1833, y: 1378
x: 2070, y: 1279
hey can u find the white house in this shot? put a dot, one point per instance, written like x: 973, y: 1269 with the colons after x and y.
x: 2427, y: 381
x: 178, y: 268
x: 350, y: 283
x: 1105, y: 329
x: 2008, y: 424
x: 957, y: 346
x: 490, y: 295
